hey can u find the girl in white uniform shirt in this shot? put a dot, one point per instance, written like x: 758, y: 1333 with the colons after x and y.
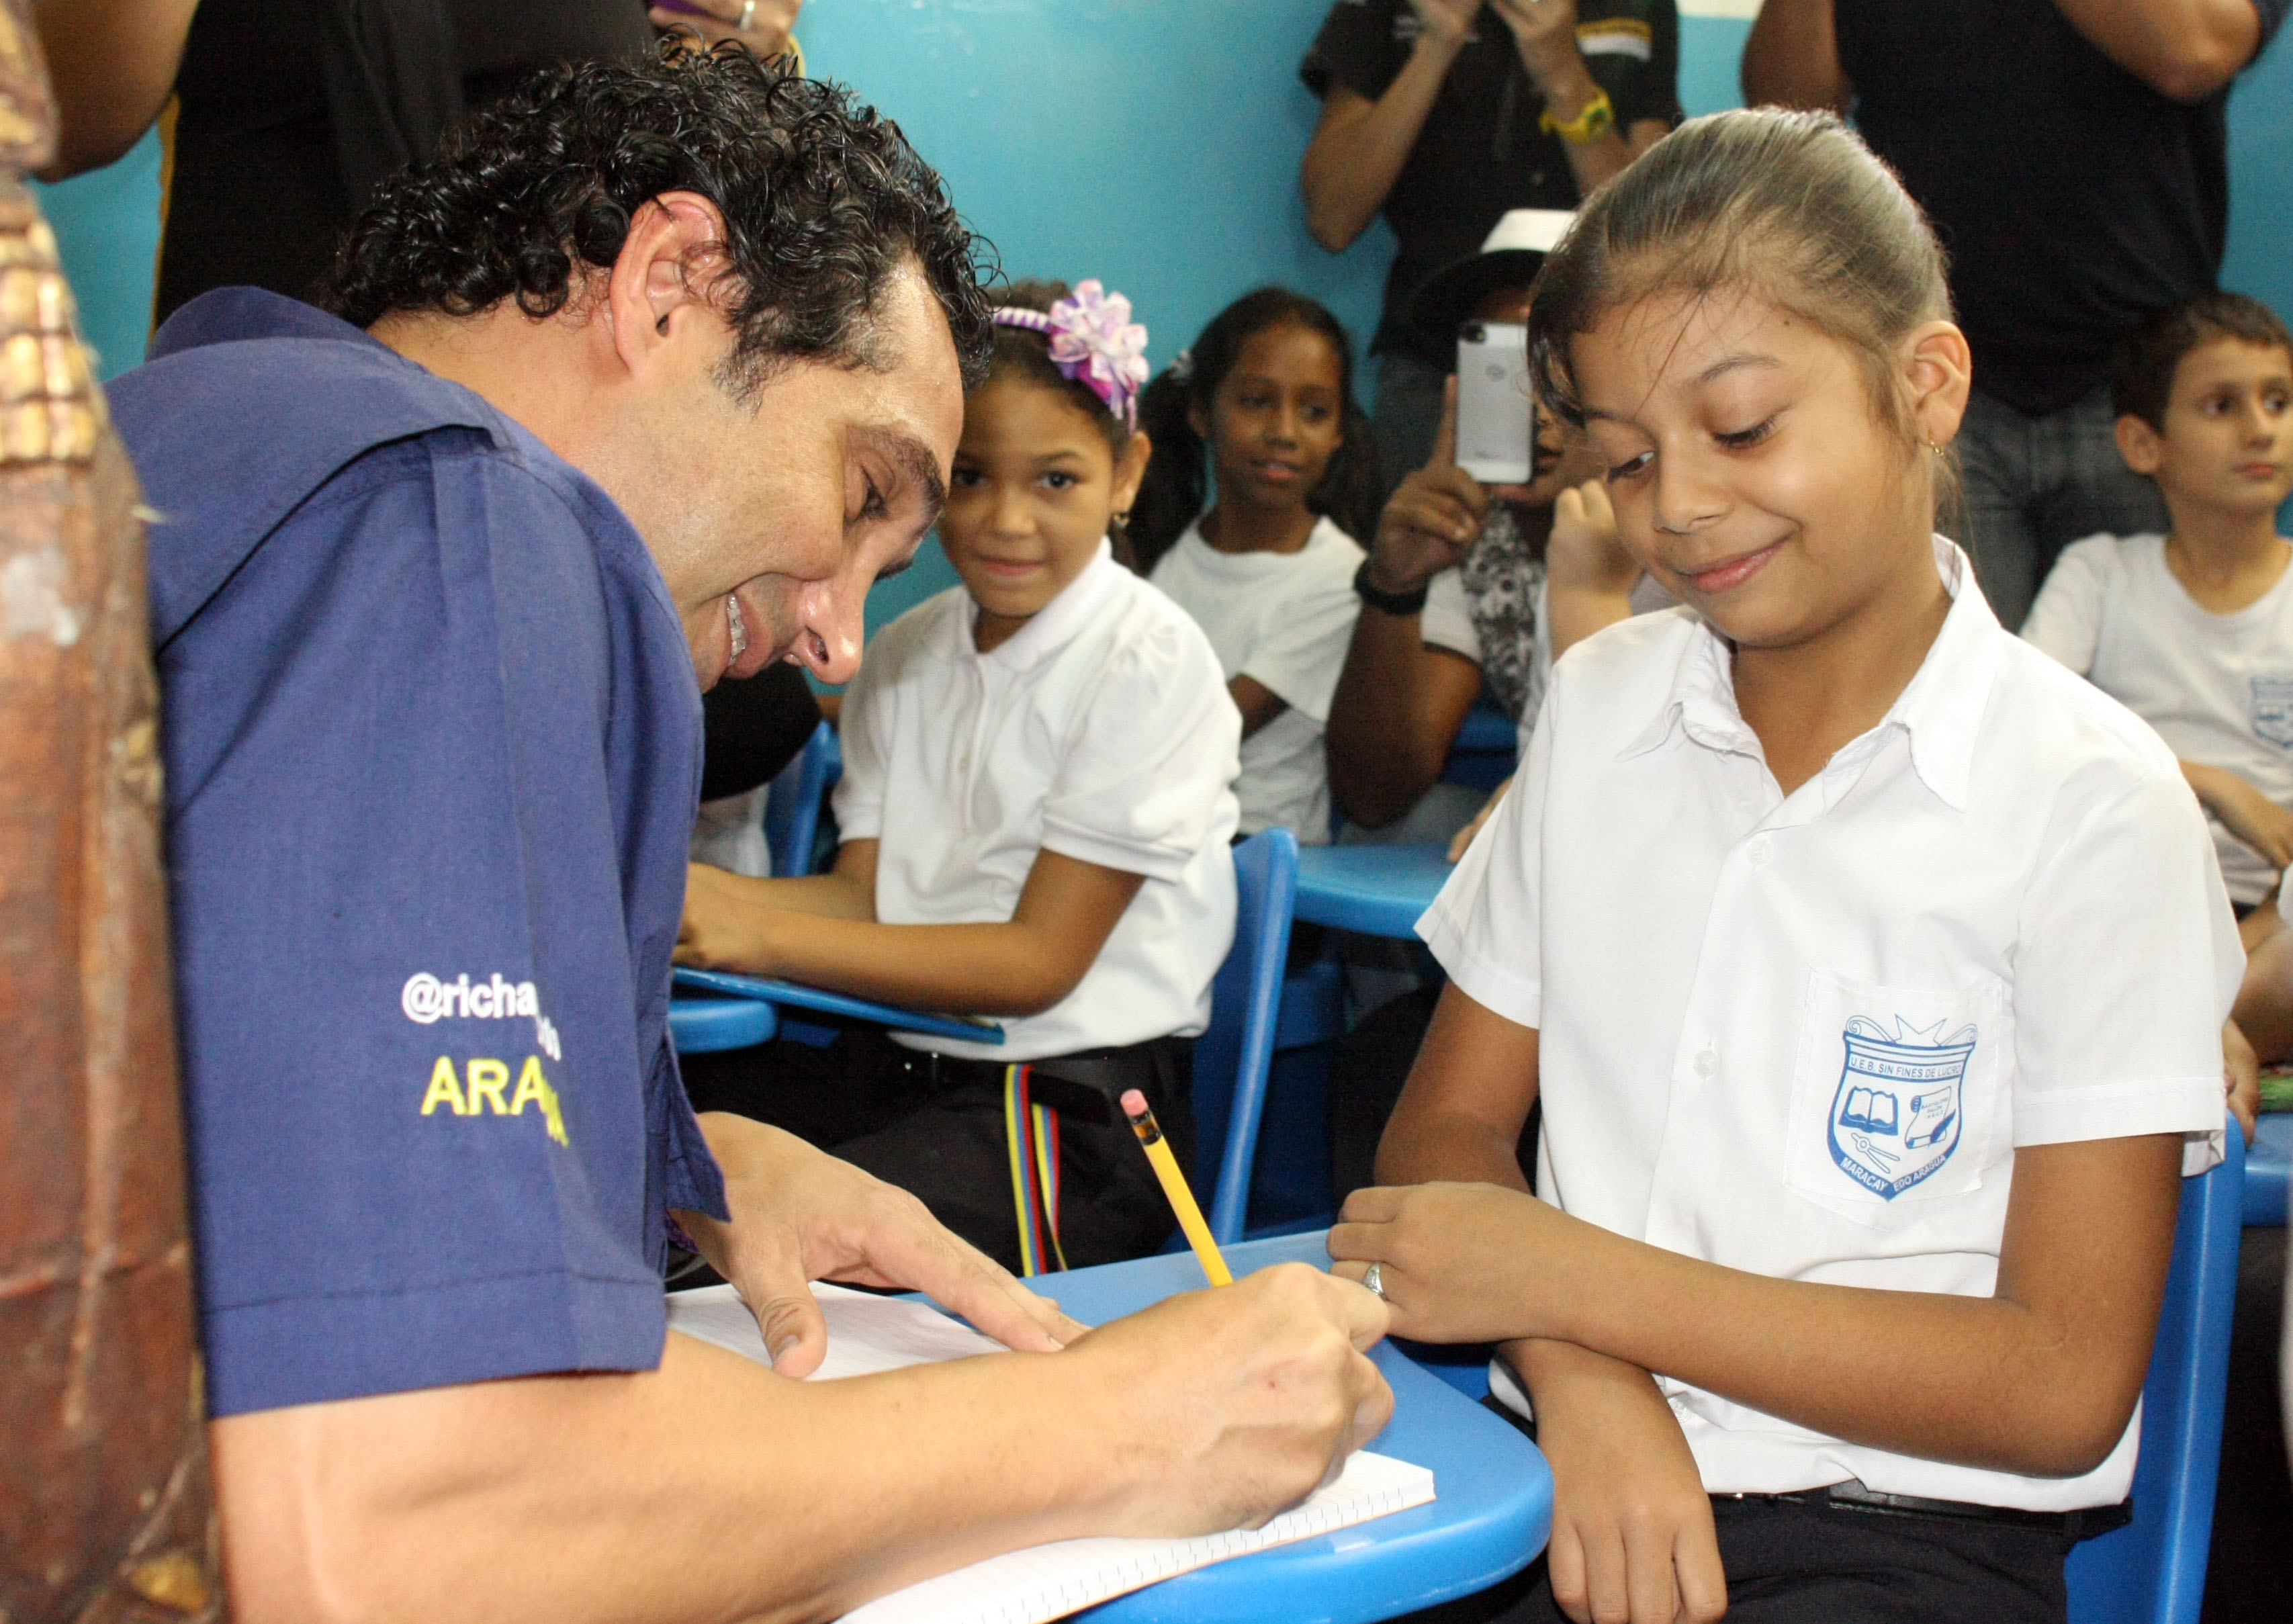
x: 1036, y: 812
x: 1268, y: 570
x: 1871, y: 968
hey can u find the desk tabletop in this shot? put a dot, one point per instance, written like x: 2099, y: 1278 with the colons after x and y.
x: 793, y: 996
x: 1377, y: 891
x: 1493, y: 1513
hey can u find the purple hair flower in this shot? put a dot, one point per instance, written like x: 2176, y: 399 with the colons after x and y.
x: 1095, y: 342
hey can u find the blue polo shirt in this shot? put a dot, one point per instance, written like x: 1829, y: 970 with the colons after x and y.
x: 433, y: 750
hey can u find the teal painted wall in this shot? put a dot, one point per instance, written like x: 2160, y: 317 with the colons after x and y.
x: 1154, y: 143
x: 108, y: 230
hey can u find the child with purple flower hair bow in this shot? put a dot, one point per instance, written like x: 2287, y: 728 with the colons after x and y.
x: 1095, y: 342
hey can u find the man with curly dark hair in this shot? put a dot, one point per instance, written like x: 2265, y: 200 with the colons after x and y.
x: 645, y: 378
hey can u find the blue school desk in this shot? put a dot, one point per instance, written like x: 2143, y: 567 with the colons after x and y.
x: 1493, y: 1513
x: 754, y: 998
x: 2269, y: 1172
x: 1376, y: 890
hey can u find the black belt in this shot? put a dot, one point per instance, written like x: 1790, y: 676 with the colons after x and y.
x: 1084, y: 1086
x: 2083, y: 1524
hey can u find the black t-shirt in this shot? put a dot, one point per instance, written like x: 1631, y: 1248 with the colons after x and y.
x: 2071, y: 196
x: 258, y: 195
x: 1481, y: 151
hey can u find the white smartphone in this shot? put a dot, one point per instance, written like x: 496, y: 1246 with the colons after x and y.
x: 1496, y: 411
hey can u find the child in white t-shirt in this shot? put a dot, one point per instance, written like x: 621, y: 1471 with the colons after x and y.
x: 1869, y: 967
x: 2193, y: 630
x: 1036, y: 813
x: 1266, y: 398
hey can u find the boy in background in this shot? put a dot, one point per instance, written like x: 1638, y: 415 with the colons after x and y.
x: 2193, y: 629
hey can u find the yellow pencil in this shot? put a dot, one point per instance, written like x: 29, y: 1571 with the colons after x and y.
x: 1174, y: 1186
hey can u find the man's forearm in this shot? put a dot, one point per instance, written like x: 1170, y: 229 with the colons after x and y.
x: 1350, y: 167
x: 111, y: 63
x: 2184, y: 49
x: 708, y: 1489
x: 1385, y: 740
x: 1792, y: 58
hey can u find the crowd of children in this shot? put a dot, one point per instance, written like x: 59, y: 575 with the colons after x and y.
x: 1861, y: 1126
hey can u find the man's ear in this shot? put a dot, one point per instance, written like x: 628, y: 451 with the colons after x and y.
x: 2140, y: 444
x: 1940, y: 371
x: 1131, y: 470
x: 665, y: 279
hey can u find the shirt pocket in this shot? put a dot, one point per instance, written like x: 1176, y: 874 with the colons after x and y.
x: 1899, y: 1095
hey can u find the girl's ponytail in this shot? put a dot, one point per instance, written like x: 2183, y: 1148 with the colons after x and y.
x: 1178, y: 475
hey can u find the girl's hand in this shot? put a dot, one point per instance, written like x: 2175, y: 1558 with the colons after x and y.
x: 2240, y: 1078
x: 1585, y: 549
x: 2244, y: 811
x: 727, y: 925
x: 1446, y: 22
x: 1464, y: 837
x: 1459, y: 1263
x: 1632, y: 1526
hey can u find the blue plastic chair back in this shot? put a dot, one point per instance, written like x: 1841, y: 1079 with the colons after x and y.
x: 2153, y: 1570
x: 792, y: 809
x: 1481, y: 756
x: 1231, y: 1058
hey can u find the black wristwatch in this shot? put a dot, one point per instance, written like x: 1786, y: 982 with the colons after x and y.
x: 1388, y: 603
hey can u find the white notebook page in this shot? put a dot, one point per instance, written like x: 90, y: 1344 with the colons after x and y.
x: 869, y: 1334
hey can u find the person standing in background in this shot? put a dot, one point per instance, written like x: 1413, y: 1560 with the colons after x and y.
x: 2073, y: 157
x: 1444, y: 115
x: 285, y: 113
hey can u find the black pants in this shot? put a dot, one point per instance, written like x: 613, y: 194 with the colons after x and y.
x: 1820, y: 1565
x: 937, y: 1131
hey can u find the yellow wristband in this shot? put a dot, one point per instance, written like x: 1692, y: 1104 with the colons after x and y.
x: 1597, y: 118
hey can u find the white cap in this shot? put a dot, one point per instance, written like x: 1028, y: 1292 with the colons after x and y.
x: 1536, y: 231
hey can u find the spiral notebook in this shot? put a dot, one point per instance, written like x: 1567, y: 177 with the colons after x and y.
x: 869, y: 1334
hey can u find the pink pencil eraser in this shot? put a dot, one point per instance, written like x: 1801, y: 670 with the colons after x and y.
x: 1134, y: 1103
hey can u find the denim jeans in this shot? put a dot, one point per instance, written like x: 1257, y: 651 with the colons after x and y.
x: 2036, y: 485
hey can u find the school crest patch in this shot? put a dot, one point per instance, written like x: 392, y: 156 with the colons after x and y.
x: 2273, y: 710
x: 1895, y: 1116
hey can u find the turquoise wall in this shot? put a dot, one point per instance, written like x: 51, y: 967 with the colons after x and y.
x: 107, y: 230
x: 1154, y: 143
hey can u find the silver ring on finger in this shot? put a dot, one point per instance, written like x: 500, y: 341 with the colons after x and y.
x: 747, y: 18
x: 1374, y: 1282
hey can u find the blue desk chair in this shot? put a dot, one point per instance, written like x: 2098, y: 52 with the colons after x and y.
x: 704, y: 1026
x: 1232, y: 1056
x: 2153, y: 1570
x: 1482, y: 755
x: 792, y: 808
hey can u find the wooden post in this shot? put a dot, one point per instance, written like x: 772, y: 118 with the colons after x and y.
x: 105, y: 1513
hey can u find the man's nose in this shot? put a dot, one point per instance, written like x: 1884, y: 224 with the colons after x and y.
x: 833, y: 613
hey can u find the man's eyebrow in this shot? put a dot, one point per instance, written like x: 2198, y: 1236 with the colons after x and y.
x: 922, y: 468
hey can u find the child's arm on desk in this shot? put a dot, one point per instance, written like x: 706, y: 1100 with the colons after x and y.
x: 1066, y: 911
x: 2043, y: 1375
x: 1632, y: 1527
